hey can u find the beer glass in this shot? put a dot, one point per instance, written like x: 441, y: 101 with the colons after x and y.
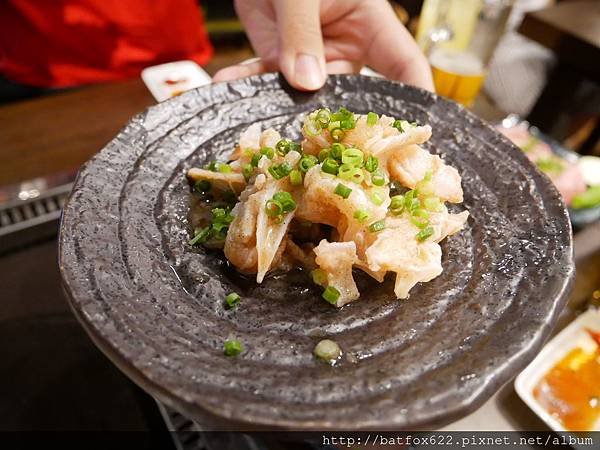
x: 459, y: 38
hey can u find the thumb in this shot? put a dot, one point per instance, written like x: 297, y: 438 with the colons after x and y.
x: 301, y: 54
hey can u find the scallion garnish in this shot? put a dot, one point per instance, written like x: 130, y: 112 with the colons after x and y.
x: 312, y: 127
x: 371, y: 163
x: 201, y: 236
x: 377, y: 226
x: 337, y: 134
x: 273, y: 208
x: 212, y: 166
x: 331, y: 294
x: 378, y: 178
x: 307, y: 162
x: 296, y: 177
x: 323, y: 154
x: 232, y: 347
x: 424, y: 234
x: 328, y: 351
x: 247, y: 171
x: 330, y: 166
x: 397, y: 204
x: 361, y: 215
x: 336, y: 151
x: 342, y: 191
x: 352, y: 156
x: 280, y: 171
x: 268, y: 152
x: 255, y: 159
x: 372, y: 119
x: 284, y: 146
x: 323, y: 116
x: 232, y: 300
x: 225, y: 168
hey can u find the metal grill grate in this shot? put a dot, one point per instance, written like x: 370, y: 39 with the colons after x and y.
x: 33, y: 219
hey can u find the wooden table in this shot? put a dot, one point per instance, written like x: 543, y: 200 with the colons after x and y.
x: 571, y: 29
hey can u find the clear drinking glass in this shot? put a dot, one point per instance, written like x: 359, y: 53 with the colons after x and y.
x: 459, y: 38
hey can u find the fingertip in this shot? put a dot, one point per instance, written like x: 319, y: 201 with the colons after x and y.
x: 308, y: 73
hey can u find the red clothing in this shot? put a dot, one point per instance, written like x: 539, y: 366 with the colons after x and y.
x: 59, y: 43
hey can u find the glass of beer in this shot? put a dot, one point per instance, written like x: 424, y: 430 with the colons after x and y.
x: 459, y: 38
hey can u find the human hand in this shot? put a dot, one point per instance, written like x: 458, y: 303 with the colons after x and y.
x: 308, y: 39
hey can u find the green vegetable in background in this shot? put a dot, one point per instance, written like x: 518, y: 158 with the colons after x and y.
x: 587, y: 199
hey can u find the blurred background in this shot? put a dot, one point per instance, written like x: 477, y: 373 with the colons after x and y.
x: 530, y: 67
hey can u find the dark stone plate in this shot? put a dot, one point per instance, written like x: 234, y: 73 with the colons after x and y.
x: 154, y: 305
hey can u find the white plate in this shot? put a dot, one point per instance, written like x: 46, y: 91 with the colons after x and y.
x: 568, y: 339
x: 167, y: 80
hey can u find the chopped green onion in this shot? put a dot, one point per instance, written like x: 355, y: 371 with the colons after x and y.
x: 337, y: 134
x: 296, y: 177
x: 377, y: 199
x: 247, y: 171
x: 327, y: 350
x: 323, y: 116
x: 357, y: 176
x: 424, y: 234
x: 255, y: 159
x: 296, y: 147
x: 377, y: 226
x: 353, y: 156
x: 371, y: 164
x: 361, y: 215
x: 232, y: 300
x: 202, y: 186
x: 378, y: 178
x: 397, y: 204
x: 323, y: 154
x: 212, y: 166
x: 372, y: 119
x: 341, y: 114
x: 345, y: 171
x: 225, y: 168
x: 201, y: 236
x: 269, y: 152
x: 331, y: 294
x: 307, y: 162
x: 286, y: 201
x: 420, y: 218
x: 283, y: 147
x: 232, y: 347
x: 347, y: 124
x: 330, y: 166
x: 401, y: 125
x: 312, y: 127
x: 333, y: 124
x: 342, y: 191
x: 336, y: 151
x: 319, y: 277
x: 425, y: 187
x: 273, y: 208
x: 280, y: 171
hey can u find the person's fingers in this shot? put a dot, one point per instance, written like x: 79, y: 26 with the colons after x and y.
x: 241, y: 70
x: 343, y: 66
x: 301, y: 54
x: 394, y: 53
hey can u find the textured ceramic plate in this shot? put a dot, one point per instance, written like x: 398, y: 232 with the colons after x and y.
x: 154, y: 304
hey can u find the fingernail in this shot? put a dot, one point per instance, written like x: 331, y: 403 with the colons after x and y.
x: 307, y: 72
